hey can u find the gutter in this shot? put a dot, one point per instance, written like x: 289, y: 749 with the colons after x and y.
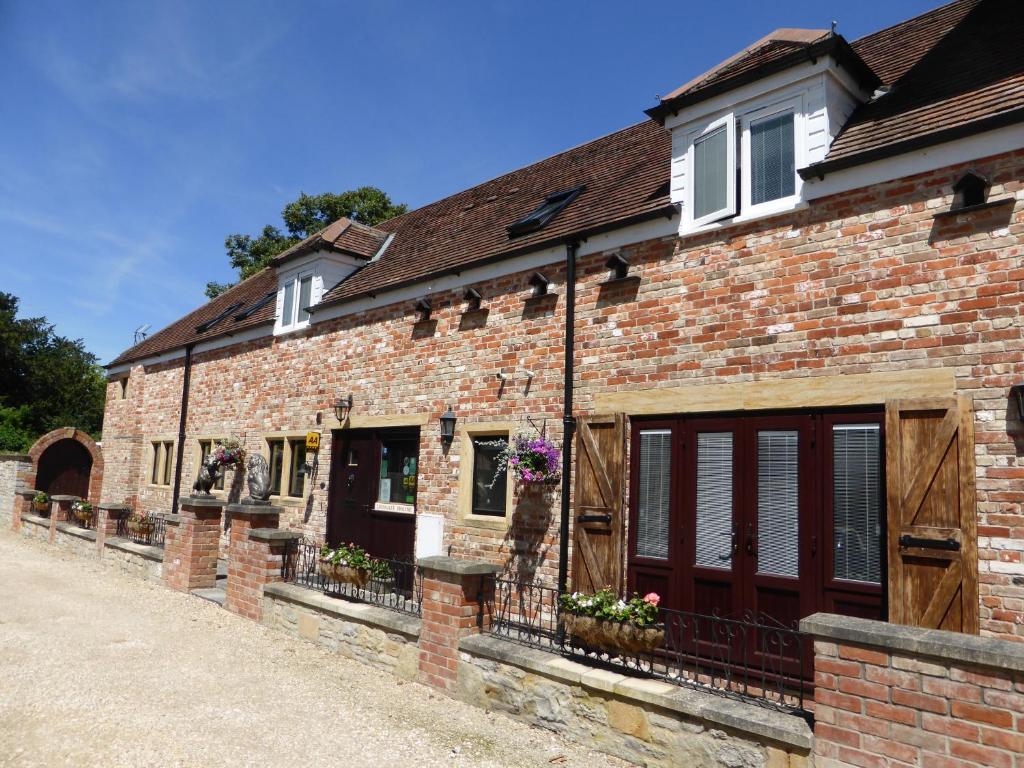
x: 185, y: 381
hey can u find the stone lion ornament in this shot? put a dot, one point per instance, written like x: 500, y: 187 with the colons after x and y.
x: 209, y: 470
x: 258, y: 476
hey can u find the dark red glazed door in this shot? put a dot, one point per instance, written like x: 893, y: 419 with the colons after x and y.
x: 353, y: 487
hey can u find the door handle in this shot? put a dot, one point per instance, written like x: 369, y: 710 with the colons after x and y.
x: 732, y: 545
x: 751, y: 541
x: 607, y: 519
x: 351, y: 479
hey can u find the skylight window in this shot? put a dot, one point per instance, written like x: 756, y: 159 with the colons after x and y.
x: 203, y: 327
x: 545, y: 212
x: 255, y: 307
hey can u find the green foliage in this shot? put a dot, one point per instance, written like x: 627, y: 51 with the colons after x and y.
x: 41, y: 498
x: 605, y: 604
x: 303, y: 217
x: 356, y: 557
x: 46, y: 381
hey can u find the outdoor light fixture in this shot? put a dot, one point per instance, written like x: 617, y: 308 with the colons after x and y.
x: 448, y: 426
x: 618, y: 266
x: 343, y: 407
x: 1017, y: 393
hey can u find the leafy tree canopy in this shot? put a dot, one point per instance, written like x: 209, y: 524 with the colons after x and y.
x: 303, y: 217
x: 46, y: 381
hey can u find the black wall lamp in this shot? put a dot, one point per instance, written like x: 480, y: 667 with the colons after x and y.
x: 448, y: 426
x: 1017, y: 393
x: 343, y: 407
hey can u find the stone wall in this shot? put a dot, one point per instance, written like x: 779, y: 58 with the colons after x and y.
x: 643, y: 721
x: 79, y: 541
x: 137, y: 560
x: 14, y: 468
x: 373, y: 636
x: 867, y: 281
x: 35, y: 527
x: 889, y: 695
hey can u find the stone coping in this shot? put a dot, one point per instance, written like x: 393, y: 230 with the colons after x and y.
x: 917, y: 641
x: 4, y: 456
x: 253, y: 509
x: 173, y: 519
x: 65, y: 497
x: 109, y: 506
x: 26, y: 493
x: 73, y: 530
x: 156, y: 554
x: 202, y: 501
x: 363, y: 613
x: 273, y: 534
x: 36, y: 520
x: 458, y: 566
x: 739, y: 716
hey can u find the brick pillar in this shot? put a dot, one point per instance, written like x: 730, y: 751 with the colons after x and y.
x: 191, y: 544
x: 453, y: 591
x: 255, y: 553
x: 22, y: 505
x: 107, y: 515
x: 60, y: 514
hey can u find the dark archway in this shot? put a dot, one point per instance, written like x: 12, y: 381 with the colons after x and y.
x: 65, y: 467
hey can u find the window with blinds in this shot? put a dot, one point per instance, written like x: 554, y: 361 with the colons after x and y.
x: 772, y: 159
x: 653, y: 493
x: 856, y: 502
x: 778, y: 502
x: 710, y: 170
x: 714, y: 499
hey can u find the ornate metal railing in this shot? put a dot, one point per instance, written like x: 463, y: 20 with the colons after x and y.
x: 401, y: 590
x: 748, y: 657
x: 152, y: 536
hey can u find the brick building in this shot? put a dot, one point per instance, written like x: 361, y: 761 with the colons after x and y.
x: 796, y: 338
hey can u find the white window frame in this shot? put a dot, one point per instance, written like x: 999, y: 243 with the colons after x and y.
x: 293, y: 323
x: 795, y: 106
x: 728, y: 120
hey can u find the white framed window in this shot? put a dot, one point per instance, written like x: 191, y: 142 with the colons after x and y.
x: 713, y: 171
x: 297, y: 295
x: 772, y: 150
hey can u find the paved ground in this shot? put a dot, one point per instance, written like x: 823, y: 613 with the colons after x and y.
x: 99, y: 669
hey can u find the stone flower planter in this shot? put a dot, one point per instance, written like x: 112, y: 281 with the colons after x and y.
x: 614, y: 636
x: 344, y: 574
x: 42, y: 507
x: 82, y: 516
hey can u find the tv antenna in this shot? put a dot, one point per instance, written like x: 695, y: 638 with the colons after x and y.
x: 141, y: 332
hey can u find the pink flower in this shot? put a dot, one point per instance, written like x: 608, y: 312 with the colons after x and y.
x: 653, y: 598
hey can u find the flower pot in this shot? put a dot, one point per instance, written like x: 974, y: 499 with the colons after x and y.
x: 141, y: 527
x: 614, y: 636
x: 41, y: 506
x: 345, y: 574
x: 82, y: 516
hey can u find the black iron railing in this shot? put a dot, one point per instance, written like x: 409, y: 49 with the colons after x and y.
x: 748, y: 657
x: 151, y: 533
x: 400, y: 588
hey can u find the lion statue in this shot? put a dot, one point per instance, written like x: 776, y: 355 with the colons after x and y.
x: 209, y: 471
x: 258, y: 475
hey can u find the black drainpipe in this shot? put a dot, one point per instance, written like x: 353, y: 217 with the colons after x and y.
x: 186, y: 377
x: 568, y: 422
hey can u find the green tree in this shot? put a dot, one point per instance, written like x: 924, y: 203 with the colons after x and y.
x: 303, y: 217
x: 46, y: 381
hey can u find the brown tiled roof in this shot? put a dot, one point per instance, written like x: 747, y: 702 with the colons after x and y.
x: 343, y: 236
x: 955, y: 70
x: 184, y: 331
x: 626, y: 178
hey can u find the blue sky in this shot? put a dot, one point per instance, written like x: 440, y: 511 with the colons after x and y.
x: 135, y: 136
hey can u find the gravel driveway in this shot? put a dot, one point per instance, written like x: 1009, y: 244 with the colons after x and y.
x: 100, y: 669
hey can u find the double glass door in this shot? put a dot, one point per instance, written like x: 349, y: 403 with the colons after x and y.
x: 767, y: 517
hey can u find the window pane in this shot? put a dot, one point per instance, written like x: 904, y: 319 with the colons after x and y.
x: 714, y: 499
x: 857, y: 502
x: 305, y: 296
x: 168, y: 461
x: 777, y: 502
x: 276, y: 465
x: 653, y: 500
x: 297, y: 477
x: 773, y: 170
x: 155, y: 474
x: 289, y: 303
x: 710, y: 172
x: 488, y: 499
x: 398, y: 471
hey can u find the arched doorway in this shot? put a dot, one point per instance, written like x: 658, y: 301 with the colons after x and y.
x: 65, y: 467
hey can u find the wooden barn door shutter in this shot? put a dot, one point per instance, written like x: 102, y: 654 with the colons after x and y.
x: 932, y: 532
x: 597, y: 554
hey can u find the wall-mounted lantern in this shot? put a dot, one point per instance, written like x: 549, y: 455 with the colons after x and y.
x: 424, y: 309
x: 473, y: 299
x: 448, y: 426
x: 539, y: 282
x: 1017, y: 393
x: 618, y: 266
x: 343, y: 407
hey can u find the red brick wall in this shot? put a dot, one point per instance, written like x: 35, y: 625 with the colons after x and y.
x: 860, y: 282
x: 875, y: 709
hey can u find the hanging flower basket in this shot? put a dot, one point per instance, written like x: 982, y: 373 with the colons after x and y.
x: 345, y: 574
x: 141, y: 526
x: 41, y: 503
x: 229, y: 453
x: 350, y: 564
x: 604, y: 622
x: 83, y: 512
x: 531, y: 461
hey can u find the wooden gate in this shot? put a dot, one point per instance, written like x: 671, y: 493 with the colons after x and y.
x: 597, y: 557
x: 932, y: 532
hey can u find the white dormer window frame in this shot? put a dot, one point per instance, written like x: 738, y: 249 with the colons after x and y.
x: 293, y: 315
x: 703, y: 136
x: 758, y: 116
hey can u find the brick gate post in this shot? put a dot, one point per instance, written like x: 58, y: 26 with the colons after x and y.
x: 107, y: 516
x: 255, y: 555
x: 453, y: 592
x: 61, y: 514
x: 22, y: 504
x: 191, y: 544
